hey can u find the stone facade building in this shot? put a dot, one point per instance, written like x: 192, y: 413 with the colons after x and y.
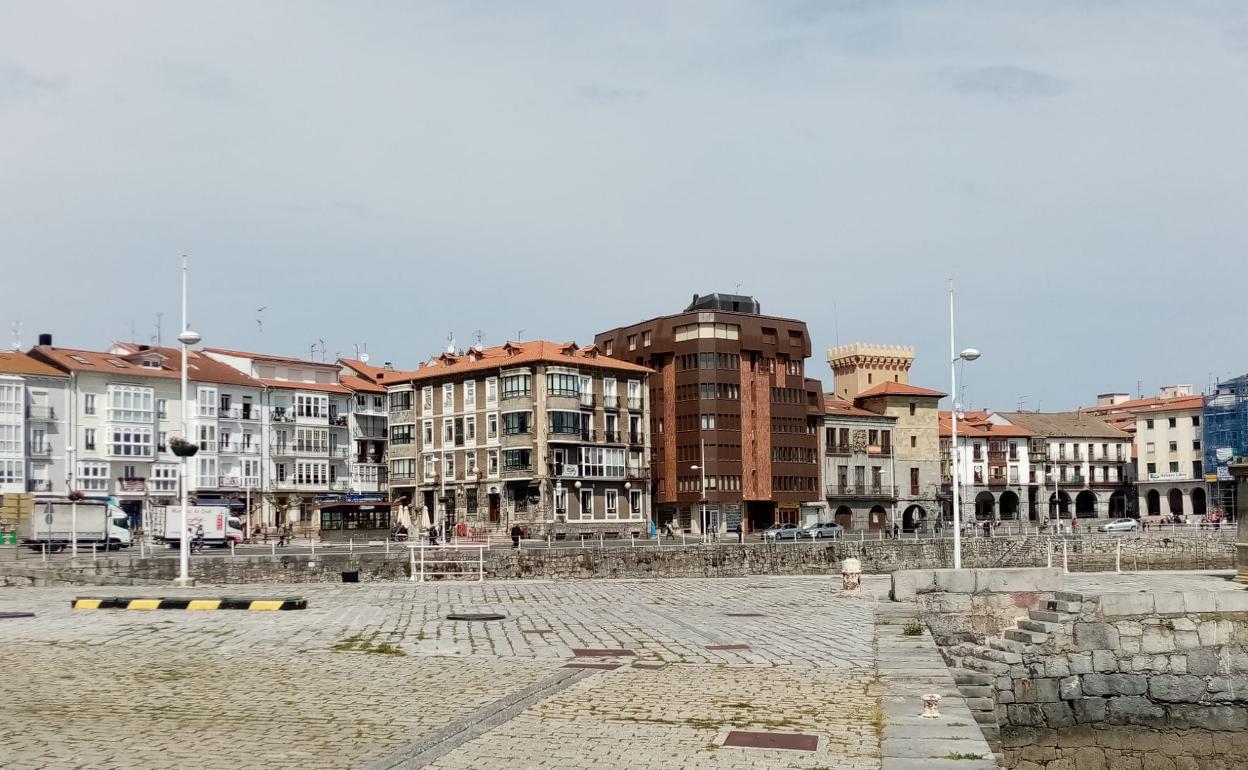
x: 859, y: 466
x: 732, y: 405
x: 994, y: 473
x: 549, y: 436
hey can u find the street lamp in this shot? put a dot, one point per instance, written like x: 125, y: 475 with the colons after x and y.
x: 702, y: 489
x: 187, y: 338
x: 969, y: 354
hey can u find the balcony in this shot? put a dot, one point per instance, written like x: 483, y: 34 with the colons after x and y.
x: 239, y: 413
x: 370, y: 459
x: 862, y: 491
x: 282, y: 450
x: 338, y: 421
x: 238, y: 482
x: 40, y: 451
x: 611, y: 402
x: 839, y: 449
x: 38, y: 485
x: 517, y: 471
x: 636, y: 438
x: 41, y: 413
x: 341, y: 485
x: 588, y: 401
x: 281, y: 415
x: 997, y: 481
x: 611, y: 436
x: 207, y: 446
x: 340, y: 452
x: 634, y: 403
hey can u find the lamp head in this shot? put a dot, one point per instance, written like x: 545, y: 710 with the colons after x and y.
x: 970, y: 354
x: 189, y: 337
x: 577, y: 484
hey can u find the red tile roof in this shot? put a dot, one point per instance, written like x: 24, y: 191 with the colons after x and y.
x: 323, y: 387
x: 200, y: 368
x: 360, y: 384
x: 267, y: 357
x: 898, y: 389
x: 980, y: 425
x: 17, y: 362
x: 1153, y: 404
x: 516, y: 354
x: 834, y: 406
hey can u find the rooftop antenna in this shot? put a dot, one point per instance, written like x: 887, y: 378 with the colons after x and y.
x: 738, y: 291
x: 17, y: 334
x: 1021, y: 401
x: 479, y: 336
x: 450, y: 343
x: 520, y: 336
x: 318, y: 339
x: 159, y: 333
x: 260, y: 323
x: 1139, y: 389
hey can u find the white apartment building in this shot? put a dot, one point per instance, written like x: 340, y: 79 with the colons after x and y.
x: 1169, y: 456
x: 994, y: 470
x: 306, y: 433
x: 32, y: 434
x: 368, y: 420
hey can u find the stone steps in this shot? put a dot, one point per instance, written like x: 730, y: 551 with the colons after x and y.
x: 1052, y: 616
x: 1027, y: 637
x: 1057, y: 605
x: 1007, y: 645
x: 1042, y: 626
x: 964, y: 677
x: 1066, y: 596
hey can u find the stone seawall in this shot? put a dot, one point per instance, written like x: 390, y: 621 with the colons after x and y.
x: 722, y: 560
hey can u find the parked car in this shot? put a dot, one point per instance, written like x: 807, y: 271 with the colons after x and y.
x: 824, y: 529
x: 781, y: 532
x: 1120, y: 525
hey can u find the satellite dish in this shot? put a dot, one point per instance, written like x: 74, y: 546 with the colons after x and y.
x: 363, y: 358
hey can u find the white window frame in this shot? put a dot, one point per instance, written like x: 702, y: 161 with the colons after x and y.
x: 470, y: 395
x: 426, y: 399
x: 13, y: 472
x: 587, y: 511
x: 131, y: 403
x: 448, y: 397
x: 448, y: 466
x: 206, y: 401
x: 130, y: 441
x: 12, y: 400
x: 93, y: 477
x: 448, y: 431
x: 470, y: 464
x: 635, y: 503
x: 491, y: 426
x: 430, y: 471
x: 492, y: 464
x: 491, y: 391
x: 611, y: 499
x: 88, y: 403
x: 470, y: 431
x: 11, y: 440
x: 634, y: 394
x: 164, y: 478
x: 426, y: 434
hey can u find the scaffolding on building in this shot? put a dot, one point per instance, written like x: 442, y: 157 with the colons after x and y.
x: 1225, y: 428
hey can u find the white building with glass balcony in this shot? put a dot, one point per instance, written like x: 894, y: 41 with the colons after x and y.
x: 33, y: 439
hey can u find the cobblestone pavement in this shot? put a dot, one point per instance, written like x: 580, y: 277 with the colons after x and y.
x: 373, y: 674
x: 1112, y: 582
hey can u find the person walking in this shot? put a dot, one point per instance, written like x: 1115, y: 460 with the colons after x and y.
x: 516, y: 532
x: 433, y: 535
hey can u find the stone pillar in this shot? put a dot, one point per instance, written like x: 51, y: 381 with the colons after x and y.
x: 1239, y: 472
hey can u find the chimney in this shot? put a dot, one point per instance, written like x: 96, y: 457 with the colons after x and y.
x: 145, y: 347
x: 389, y: 367
x: 45, y: 339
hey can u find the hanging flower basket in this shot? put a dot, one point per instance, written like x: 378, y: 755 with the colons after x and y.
x: 183, y: 448
x: 76, y: 494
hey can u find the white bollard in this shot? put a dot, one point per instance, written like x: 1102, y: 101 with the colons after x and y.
x: 851, y: 575
x: 273, y: 549
x: 231, y: 547
x: 1065, y: 562
x: 1118, y: 557
x: 930, y: 703
x: 350, y: 545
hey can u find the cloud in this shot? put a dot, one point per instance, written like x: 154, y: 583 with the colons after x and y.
x: 601, y: 93
x: 17, y: 82
x: 1009, y: 82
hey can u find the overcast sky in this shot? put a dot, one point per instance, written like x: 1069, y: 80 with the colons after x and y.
x: 388, y: 173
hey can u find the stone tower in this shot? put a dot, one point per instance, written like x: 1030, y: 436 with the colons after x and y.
x: 858, y: 367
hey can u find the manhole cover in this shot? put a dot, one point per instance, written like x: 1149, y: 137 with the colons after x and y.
x: 745, y: 614
x: 538, y: 631
x: 603, y: 666
x: 789, y: 741
x: 727, y: 646
x: 598, y: 653
x: 475, y: 616
x: 12, y: 615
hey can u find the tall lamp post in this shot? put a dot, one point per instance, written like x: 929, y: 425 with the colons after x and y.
x: 701, y: 467
x: 186, y: 338
x: 970, y: 354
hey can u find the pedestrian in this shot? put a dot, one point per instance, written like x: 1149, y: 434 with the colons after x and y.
x: 987, y: 529
x: 1074, y: 526
x: 433, y: 535
x: 896, y: 531
x: 516, y: 532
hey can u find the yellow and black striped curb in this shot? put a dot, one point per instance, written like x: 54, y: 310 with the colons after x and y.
x: 186, y: 603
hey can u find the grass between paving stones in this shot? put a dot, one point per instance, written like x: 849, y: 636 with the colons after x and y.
x: 368, y: 646
x: 960, y: 755
x: 913, y: 628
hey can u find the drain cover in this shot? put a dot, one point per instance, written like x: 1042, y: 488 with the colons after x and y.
x: 600, y: 653
x: 744, y: 615
x: 790, y: 741
x: 475, y: 616
x: 12, y: 615
x: 727, y: 646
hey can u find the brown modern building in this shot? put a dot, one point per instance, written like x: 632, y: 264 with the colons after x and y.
x: 730, y: 403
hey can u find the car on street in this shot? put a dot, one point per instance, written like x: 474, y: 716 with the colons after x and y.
x: 1120, y: 525
x: 824, y: 529
x: 781, y: 532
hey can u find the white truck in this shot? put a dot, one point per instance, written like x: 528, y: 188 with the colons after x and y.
x: 55, y: 523
x: 220, y: 526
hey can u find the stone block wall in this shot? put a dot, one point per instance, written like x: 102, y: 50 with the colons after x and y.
x: 973, y: 604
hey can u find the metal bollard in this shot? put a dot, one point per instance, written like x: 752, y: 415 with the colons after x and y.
x: 93, y: 552
x: 632, y: 541
x: 1118, y: 557
x: 350, y: 545
x: 1065, y: 563
x: 231, y: 547
x: 273, y: 549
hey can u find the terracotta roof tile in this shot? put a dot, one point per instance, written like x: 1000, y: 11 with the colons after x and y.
x: 267, y: 357
x: 322, y: 387
x: 200, y: 368
x: 360, y: 384
x: 514, y: 354
x: 1064, y: 424
x: 898, y: 389
x: 17, y: 362
x: 836, y: 407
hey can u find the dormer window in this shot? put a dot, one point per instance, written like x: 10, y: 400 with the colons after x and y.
x: 150, y: 363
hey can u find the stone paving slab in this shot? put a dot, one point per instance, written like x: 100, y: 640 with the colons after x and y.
x: 375, y: 673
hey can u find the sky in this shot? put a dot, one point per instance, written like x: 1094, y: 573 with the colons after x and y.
x: 384, y: 176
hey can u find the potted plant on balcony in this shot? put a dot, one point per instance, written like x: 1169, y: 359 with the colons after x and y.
x: 183, y: 448
x: 76, y: 494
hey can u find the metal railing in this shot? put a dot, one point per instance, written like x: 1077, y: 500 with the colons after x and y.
x: 241, y: 482
x: 40, y: 450
x: 445, y: 561
x: 40, y: 412
x: 39, y: 485
x: 862, y: 490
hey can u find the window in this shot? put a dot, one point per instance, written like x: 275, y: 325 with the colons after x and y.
x: 130, y: 403
x: 1148, y: 424
x: 914, y: 442
x: 1174, y: 467
x: 708, y: 422
x: 309, y: 405
x: 429, y: 466
x: 470, y: 466
x: 426, y: 399
x: 93, y: 477
x: 164, y: 478
x: 470, y: 430
x: 561, y: 501
x: 600, y: 462
x: 492, y: 463
x: 448, y: 431
x: 1174, y: 446
x: 448, y: 465
x: 1152, y: 468
x: 402, y: 434
x: 1196, y: 445
x: 162, y: 410
x: 609, y: 347
x: 645, y: 338
x: 912, y: 408
x: 634, y: 500
x: 562, y: 384
x: 632, y: 342
x: 517, y: 423
x: 426, y: 431
x: 634, y: 394
x: 1195, y: 421
x: 517, y: 386
x: 11, y: 439
x: 448, y: 397
x: 130, y: 442
x: 491, y: 391
x: 587, y: 502
x: 88, y: 438
x: 470, y: 395
x: 88, y: 403
x: 914, y: 481
x: 12, y: 472
x: 491, y: 426
x: 517, y: 459
x: 280, y: 471
x: 1173, y: 422
x: 612, y: 498
x: 567, y: 423
x: 400, y: 401
x: 377, y: 404
x: 1197, y: 469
